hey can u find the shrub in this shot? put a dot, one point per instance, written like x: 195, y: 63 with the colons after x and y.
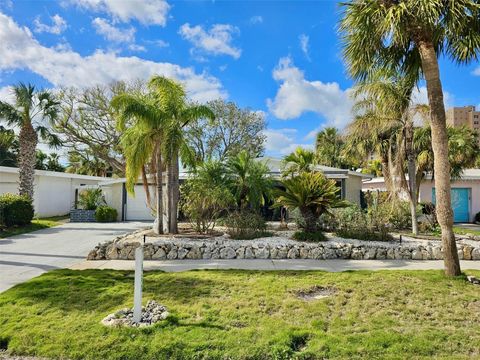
x: 106, y: 214
x: 15, y: 210
x: 245, y: 225
x: 477, y: 217
x: 90, y: 199
x: 309, y: 236
x: 206, y: 197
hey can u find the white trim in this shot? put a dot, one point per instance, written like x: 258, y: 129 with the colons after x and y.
x: 12, y: 170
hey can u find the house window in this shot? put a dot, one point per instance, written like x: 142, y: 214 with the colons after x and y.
x: 475, y: 122
x: 475, y: 116
x: 341, y: 185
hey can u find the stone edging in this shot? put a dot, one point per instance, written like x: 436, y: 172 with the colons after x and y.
x: 224, y: 248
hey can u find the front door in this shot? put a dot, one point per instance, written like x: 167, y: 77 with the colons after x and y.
x: 460, y: 204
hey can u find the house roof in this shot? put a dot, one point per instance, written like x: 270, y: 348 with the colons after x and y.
x: 13, y: 170
x: 467, y: 174
x: 275, y: 165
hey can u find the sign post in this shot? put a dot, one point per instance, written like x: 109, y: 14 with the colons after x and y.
x: 137, y: 294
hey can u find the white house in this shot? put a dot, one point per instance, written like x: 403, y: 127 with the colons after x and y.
x: 54, y: 191
x: 135, y: 207
x: 465, y: 193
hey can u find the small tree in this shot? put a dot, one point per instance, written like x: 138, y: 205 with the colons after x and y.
x: 312, y: 194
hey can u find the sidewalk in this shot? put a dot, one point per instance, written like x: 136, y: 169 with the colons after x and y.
x: 325, y: 265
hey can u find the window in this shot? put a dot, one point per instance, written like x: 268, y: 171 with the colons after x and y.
x: 475, y: 116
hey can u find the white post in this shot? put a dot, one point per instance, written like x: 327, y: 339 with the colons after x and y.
x: 137, y: 295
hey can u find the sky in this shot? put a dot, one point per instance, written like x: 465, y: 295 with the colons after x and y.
x: 282, y: 58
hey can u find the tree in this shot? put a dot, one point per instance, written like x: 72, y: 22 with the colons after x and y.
x: 410, y: 35
x: 85, y: 163
x: 310, y: 192
x: 142, y: 143
x: 32, y: 111
x: 8, y: 147
x: 233, y: 129
x: 298, y: 161
x: 170, y: 97
x: 329, y: 148
x: 249, y: 179
x: 88, y: 124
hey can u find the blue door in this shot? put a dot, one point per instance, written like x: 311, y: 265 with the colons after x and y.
x: 460, y: 204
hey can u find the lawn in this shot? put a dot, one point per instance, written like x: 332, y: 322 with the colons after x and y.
x: 36, y: 224
x: 246, y: 315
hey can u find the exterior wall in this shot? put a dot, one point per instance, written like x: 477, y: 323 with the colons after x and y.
x: 53, y: 195
x: 474, y: 186
x: 353, y: 187
x: 113, y: 196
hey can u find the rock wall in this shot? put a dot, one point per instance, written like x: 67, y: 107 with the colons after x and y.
x: 277, y: 248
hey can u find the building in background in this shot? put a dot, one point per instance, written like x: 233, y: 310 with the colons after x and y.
x: 464, y: 116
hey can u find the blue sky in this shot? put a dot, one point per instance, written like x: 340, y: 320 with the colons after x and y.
x: 279, y: 57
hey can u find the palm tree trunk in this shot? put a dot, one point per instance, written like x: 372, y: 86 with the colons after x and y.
x: 158, y: 228
x: 28, y: 140
x: 411, y: 165
x: 440, y: 151
x: 310, y: 220
x: 175, y: 193
x: 386, y: 173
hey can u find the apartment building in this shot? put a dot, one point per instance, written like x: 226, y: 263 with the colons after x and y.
x: 465, y: 115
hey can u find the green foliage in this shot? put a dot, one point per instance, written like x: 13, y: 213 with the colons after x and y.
x: 330, y: 149
x: 245, y: 225
x: 312, y: 194
x: 301, y: 160
x: 309, y: 236
x: 249, y: 181
x: 15, y: 210
x: 90, y: 199
x: 232, y: 130
x: 206, y: 196
x: 106, y: 214
x: 8, y: 147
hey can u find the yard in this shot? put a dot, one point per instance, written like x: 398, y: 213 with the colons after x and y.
x: 246, y: 315
x: 36, y: 224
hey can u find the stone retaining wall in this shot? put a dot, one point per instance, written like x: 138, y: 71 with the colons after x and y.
x: 80, y: 215
x: 276, y: 248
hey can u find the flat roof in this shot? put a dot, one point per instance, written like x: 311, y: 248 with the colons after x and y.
x: 14, y: 170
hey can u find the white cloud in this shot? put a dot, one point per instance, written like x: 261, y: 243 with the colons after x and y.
x: 420, y: 96
x: 148, y: 12
x: 297, y: 95
x: 112, y: 33
x: 257, y: 19
x: 20, y: 50
x: 58, y: 26
x: 282, y: 141
x: 304, y: 45
x: 216, y: 41
x: 6, y: 94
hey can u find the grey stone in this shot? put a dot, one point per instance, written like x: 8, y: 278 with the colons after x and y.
x: 476, y: 254
x: 417, y: 254
x: 111, y: 253
x: 390, y: 254
x: 262, y: 253
x: 249, y: 253
x: 437, y: 253
x: 460, y: 254
x: 172, y: 254
x: 370, y: 253
x: 467, y: 252
x: 303, y: 252
x: 293, y: 253
x: 381, y: 254
x: 227, y: 253
x: 329, y: 253
x: 240, y: 253
x: 194, y: 253
x: 160, y: 254
x: 357, y: 254
x: 317, y: 253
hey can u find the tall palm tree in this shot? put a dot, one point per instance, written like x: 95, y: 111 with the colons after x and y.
x: 301, y: 160
x: 142, y: 142
x: 171, y: 98
x: 410, y: 35
x: 329, y: 148
x: 32, y: 112
x: 249, y: 179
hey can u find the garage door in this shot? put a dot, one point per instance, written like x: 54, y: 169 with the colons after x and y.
x: 460, y: 204
x: 137, y: 208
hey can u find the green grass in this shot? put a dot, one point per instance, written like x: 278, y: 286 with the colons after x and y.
x: 464, y: 231
x: 36, y: 224
x: 246, y: 315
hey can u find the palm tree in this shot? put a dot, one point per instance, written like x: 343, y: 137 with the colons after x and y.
x: 249, y: 179
x: 8, y: 147
x: 31, y: 112
x: 329, y: 148
x: 310, y: 192
x: 410, y: 35
x: 171, y: 98
x: 142, y: 142
x: 298, y: 161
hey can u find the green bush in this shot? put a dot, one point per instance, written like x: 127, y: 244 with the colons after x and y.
x: 309, y: 236
x: 15, y: 210
x: 245, y: 225
x: 106, y: 214
x: 90, y: 199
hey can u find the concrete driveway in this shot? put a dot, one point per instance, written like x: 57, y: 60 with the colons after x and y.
x: 23, y: 257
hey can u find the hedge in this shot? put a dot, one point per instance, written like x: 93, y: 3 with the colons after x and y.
x: 15, y: 210
x: 106, y: 214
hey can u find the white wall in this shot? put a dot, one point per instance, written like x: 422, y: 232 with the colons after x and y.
x: 53, y: 195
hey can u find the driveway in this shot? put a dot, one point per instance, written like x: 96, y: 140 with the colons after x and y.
x: 25, y: 256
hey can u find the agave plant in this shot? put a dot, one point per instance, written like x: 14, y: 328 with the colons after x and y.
x: 312, y: 194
